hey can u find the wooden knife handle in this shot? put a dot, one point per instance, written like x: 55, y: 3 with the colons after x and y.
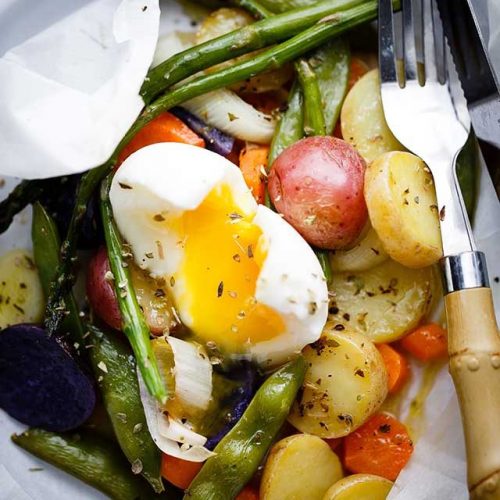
x: 474, y: 349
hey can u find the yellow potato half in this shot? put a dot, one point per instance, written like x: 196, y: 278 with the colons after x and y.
x: 383, y: 303
x: 360, y: 487
x: 363, y: 122
x: 21, y: 295
x: 299, y: 467
x: 345, y: 383
x: 401, y: 200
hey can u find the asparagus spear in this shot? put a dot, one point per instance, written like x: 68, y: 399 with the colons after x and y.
x: 238, y: 42
x: 271, y: 58
x: 133, y: 323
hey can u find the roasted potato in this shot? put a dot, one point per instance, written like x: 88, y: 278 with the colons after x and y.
x: 363, y: 122
x: 345, y: 383
x: 368, y: 252
x: 316, y: 184
x: 298, y: 467
x: 360, y: 487
x: 382, y: 303
x: 401, y: 199
x: 21, y: 294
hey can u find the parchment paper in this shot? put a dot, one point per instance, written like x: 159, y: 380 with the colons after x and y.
x: 437, y: 468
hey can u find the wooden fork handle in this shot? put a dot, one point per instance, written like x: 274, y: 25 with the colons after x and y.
x: 474, y: 349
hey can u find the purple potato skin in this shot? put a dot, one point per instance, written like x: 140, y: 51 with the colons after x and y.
x: 41, y: 385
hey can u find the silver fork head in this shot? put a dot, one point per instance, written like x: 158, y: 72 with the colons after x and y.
x: 421, y: 94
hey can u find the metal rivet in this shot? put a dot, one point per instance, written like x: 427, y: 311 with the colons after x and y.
x: 473, y: 364
x: 495, y: 361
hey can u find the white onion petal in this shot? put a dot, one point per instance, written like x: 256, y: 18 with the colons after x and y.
x: 226, y: 111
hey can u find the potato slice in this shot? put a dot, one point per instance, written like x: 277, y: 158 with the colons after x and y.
x: 360, y: 487
x: 383, y: 303
x: 368, y: 252
x: 21, y: 295
x: 363, y: 122
x: 345, y: 383
x: 299, y: 467
x: 399, y: 193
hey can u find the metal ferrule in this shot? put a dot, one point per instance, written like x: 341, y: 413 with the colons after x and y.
x: 465, y: 270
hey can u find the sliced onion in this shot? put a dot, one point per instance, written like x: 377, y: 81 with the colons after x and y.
x: 192, y: 373
x: 170, y: 44
x: 172, y: 437
x: 228, y: 112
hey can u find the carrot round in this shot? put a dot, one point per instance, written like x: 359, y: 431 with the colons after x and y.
x: 398, y: 369
x: 427, y: 342
x: 179, y: 472
x: 357, y: 69
x: 253, y: 162
x: 381, y: 446
x: 165, y: 128
x: 249, y: 492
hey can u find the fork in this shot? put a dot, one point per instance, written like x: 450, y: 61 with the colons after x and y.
x: 426, y: 111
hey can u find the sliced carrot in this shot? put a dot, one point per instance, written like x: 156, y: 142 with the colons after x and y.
x: 380, y: 446
x: 164, y: 128
x: 179, y: 472
x: 333, y: 443
x: 427, y: 342
x: 249, y: 492
x: 357, y: 69
x: 253, y: 162
x: 398, y: 369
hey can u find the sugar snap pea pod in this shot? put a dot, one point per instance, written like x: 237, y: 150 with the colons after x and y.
x: 361, y: 12
x: 46, y: 244
x: 330, y: 64
x: 92, y: 459
x: 241, y: 451
x: 467, y: 173
x: 133, y: 323
x: 115, y: 369
x: 290, y: 128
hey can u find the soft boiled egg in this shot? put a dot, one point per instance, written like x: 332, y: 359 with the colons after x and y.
x: 241, y: 277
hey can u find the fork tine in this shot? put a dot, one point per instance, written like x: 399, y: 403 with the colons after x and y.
x: 410, y: 54
x: 386, y: 42
x: 434, y: 49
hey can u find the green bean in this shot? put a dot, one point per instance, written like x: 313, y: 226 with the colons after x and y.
x: 236, y: 43
x: 313, y: 111
x: 286, y: 5
x: 91, y: 459
x: 467, y: 174
x: 115, y: 370
x: 256, y: 9
x: 133, y: 323
x: 241, y: 451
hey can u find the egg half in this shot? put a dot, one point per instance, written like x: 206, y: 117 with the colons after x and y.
x: 240, y: 276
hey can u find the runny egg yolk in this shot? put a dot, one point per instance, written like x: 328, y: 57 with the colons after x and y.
x: 223, y: 255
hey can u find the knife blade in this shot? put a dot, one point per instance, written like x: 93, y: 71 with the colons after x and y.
x: 461, y: 23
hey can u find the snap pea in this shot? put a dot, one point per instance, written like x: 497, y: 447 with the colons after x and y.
x: 133, y: 323
x: 115, y: 369
x: 467, y: 173
x: 113, y: 363
x: 92, y: 459
x: 241, y: 451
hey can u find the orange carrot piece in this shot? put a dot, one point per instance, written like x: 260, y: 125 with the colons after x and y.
x: 380, y: 446
x: 249, y: 492
x: 333, y: 443
x: 253, y: 162
x: 164, y: 128
x: 427, y: 342
x: 357, y: 69
x: 398, y: 369
x: 179, y: 472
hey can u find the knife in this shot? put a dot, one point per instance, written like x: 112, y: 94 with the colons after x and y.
x: 462, y: 20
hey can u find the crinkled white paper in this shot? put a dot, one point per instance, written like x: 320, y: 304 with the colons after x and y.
x: 437, y: 468
x: 69, y: 94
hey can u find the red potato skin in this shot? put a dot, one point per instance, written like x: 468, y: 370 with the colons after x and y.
x: 100, y: 291
x: 317, y: 184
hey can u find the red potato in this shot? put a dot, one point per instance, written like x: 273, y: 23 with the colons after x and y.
x: 152, y: 297
x: 317, y: 184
